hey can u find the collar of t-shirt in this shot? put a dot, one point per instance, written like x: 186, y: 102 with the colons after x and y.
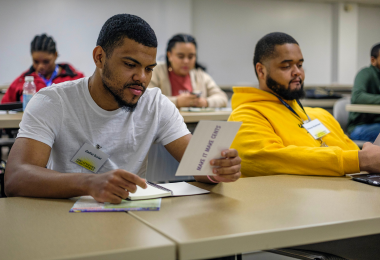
x: 180, y: 84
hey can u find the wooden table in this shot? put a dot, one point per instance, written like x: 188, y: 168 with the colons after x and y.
x: 10, y: 120
x: 266, y: 212
x: 195, y: 117
x: 13, y: 120
x: 372, y: 109
x: 323, y: 103
x: 44, y: 229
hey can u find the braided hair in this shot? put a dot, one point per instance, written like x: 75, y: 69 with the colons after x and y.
x: 43, y: 43
x: 182, y: 38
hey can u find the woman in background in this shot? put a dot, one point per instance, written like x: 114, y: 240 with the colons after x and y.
x: 44, y: 69
x: 183, y: 80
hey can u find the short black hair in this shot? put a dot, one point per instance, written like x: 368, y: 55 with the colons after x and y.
x: 43, y: 43
x: 119, y: 26
x: 265, y: 46
x: 182, y: 38
x: 375, y: 51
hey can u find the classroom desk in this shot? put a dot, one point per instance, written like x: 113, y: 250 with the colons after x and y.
x: 266, y: 212
x: 323, y: 103
x: 44, y: 229
x: 195, y: 117
x: 10, y: 120
x: 13, y: 120
x: 372, y: 109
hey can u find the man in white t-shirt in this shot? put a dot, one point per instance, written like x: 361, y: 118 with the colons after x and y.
x: 110, y: 115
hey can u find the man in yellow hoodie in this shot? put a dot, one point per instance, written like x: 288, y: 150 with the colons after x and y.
x: 275, y: 137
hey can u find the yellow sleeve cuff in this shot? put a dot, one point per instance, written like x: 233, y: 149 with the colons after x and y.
x: 351, y: 161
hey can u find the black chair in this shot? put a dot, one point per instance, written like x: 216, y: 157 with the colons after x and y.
x: 11, y: 106
x: 305, y: 254
x: 11, y: 132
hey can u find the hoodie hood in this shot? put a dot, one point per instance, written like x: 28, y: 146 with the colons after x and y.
x: 244, y: 95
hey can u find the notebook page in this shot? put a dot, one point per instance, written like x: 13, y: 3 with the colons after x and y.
x: 150, y: 191
x: 183, y: 189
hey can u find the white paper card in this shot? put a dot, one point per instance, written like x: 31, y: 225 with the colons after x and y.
x: 209, y: 140
x: 316, y: 129
x: 90, y: 158
x: 183, y: 189
x: 377, y: 141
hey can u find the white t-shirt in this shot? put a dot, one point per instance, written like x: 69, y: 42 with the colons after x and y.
x: 64, y: 116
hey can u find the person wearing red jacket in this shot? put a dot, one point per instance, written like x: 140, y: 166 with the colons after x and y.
x: 44, y: 69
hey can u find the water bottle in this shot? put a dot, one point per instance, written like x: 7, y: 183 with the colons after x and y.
x: 29, y: 90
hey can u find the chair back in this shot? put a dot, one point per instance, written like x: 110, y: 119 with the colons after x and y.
x: 162, y: 166
x: 340, y: 113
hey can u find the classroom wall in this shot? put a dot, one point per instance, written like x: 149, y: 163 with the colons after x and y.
x: 368, y: 33
x: 238, y: 24
x: 75, y: 26
x: 226, y: 30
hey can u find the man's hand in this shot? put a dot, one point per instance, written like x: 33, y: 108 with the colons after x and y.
x: 369, y: 158
x: 113, y: 186
x: 229, y: 166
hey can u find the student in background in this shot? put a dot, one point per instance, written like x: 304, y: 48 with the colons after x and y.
x: 273, y: 138
x: 44, y: 69
x: 366, y: 90
x: 183, y: 80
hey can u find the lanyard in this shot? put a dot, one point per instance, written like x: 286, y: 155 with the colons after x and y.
x: 323, y: 144
x: 48, y: 82
x: 291, y: 109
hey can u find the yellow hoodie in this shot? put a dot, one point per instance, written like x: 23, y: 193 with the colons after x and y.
x: 271, y: 140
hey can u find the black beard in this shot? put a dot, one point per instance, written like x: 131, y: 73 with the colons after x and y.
x: 284, y: 92
x: 118, y: 93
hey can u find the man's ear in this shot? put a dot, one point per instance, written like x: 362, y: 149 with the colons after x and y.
x: 373, y: 61
x: 98, y: 55
x: 261, y: 71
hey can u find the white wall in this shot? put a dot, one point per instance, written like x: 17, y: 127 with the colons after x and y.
x: 347, y: 43
x: 227, y: 32
x: 369, y: 33
x: 75, y: 26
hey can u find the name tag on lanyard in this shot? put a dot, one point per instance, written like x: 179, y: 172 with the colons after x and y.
x: 90, y: 158
x: 316, y: 129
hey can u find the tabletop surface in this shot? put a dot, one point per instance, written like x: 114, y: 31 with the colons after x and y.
x: 192, y: 117
x: 373, y: 109
x: 13, y: 120
x: 324, y: 103
x: 44, y: 229
x: 267, y: 212
x: 10, y: 120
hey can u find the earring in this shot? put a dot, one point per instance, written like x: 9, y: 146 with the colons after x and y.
x: 170, y: 69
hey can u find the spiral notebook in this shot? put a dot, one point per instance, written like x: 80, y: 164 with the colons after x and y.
x: 166, y: 190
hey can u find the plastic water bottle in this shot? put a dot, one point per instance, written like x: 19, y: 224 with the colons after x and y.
x: 29, y: 90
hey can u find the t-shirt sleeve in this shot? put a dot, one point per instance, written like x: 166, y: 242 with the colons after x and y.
x: 42, y: 118
x: 171, y: 124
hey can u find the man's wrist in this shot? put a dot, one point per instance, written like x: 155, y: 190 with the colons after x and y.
x: 363, y: 164
x: 86, y: 184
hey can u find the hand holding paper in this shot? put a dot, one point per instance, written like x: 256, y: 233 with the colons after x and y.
x: 204, y: 154
x: 229, y: 166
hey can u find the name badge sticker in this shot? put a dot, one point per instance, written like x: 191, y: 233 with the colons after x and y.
x: 90, y: 158
x: 316, y: 129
